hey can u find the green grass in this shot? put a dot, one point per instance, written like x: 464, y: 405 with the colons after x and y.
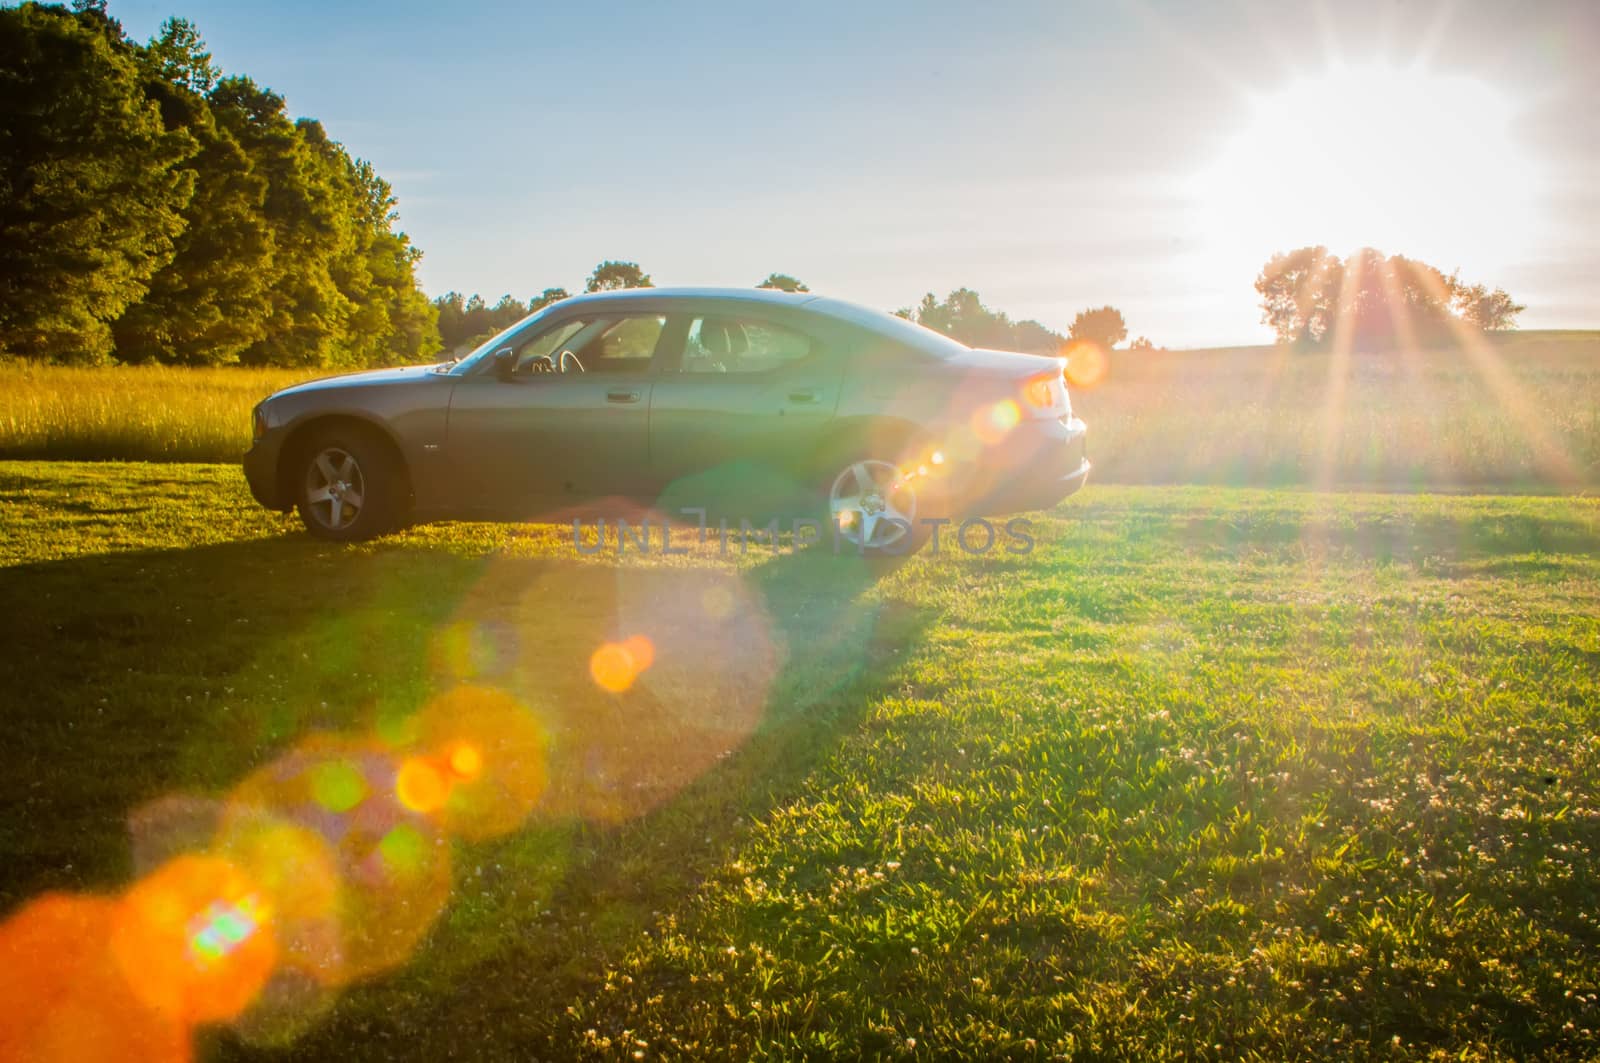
x: 1213, y: 773
x: 1524, y: 415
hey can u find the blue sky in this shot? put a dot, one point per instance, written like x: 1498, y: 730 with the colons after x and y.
x: 1050, y: 155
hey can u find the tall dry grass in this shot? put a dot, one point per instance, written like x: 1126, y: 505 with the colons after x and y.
x: 135, y: 413
x: 1256, y: 415
x: 1434, y: 419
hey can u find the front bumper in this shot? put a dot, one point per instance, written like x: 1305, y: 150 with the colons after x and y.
x: 1038, y: 464
x: 261, y: 471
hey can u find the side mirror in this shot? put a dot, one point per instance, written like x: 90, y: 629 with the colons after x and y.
x: 505, y: 363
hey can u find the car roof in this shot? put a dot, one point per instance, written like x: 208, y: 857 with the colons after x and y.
x: 754, y: 295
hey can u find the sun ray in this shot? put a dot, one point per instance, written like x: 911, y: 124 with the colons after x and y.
x: 1552, y: 458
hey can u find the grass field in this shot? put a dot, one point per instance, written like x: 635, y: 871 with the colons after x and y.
x: 132, y: 413
x: 1213, y: 773
x: 1522, y: 413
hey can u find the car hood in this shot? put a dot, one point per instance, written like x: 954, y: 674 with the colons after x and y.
x: 367, y: 378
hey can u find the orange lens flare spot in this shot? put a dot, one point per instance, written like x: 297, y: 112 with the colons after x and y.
x: 493, y: 749
x: 64, y: 996
x: 465, y: 761
x: 937, y: 458
x: 1087, y: 364
x: 616, y: 665
x: 420, y: 786
x: 641, y: 649
x: 195, y: 939
x: 992, y: 423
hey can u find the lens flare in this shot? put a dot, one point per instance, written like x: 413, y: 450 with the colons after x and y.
x: 64, y: 996
x: 382, y: 909
x: 641, y: 650
x: 465, y: 761
x: 195, y: 939
x: 294, y: 869
x: 614, y: 668
x: 495, y: 753
x: 993, y: 422
x: 1087, y: 364
x: 421, y: 786
x: 337, y: 785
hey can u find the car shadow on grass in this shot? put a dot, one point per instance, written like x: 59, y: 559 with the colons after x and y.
x: 138, y: 676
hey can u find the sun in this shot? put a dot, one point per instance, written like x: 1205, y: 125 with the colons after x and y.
x: 1401, y: 159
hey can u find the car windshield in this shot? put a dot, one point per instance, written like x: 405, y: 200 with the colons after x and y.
x: 495, y: 342
x: 892, y: 326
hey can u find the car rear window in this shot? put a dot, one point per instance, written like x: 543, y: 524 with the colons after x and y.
x: 908, y: 333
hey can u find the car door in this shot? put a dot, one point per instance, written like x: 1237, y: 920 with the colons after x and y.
x: 742, y: 403
x: 528, y: 440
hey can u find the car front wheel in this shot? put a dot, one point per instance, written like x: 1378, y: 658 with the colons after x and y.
x: 348, y: 486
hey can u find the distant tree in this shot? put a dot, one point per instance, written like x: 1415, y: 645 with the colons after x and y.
x: 783, y: 283
x: 1299, y: 293
x: 1103, y: 327
x: 961, y: 315
x: 1371, y: 300
x: 1030, y: 337
x: 611, y: 276
x: 92, y: 182
x: 1481, y: 308
x: 1142, y: 344
x: 545, y: 298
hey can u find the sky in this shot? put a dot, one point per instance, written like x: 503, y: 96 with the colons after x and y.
x: 1053, y: 156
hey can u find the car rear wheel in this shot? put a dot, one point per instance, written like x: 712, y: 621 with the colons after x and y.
x: 879, y: 506
x: 348, y: 487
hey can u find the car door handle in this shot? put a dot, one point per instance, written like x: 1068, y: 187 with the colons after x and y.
x: 807, y: 395
x: 622, y: 395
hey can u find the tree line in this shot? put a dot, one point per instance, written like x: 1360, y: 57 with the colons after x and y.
x: 466, y: 321
x: 155, y: 210
x: 1312, y: 298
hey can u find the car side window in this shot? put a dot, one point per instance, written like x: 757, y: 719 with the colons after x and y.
x: 627, y: 346
x: 547, y: 342
x: 741, y: 345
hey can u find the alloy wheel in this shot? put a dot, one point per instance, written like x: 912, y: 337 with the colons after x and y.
x: 335, y: 489
x: 873, y: 506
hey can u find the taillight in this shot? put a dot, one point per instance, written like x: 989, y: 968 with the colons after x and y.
x: 258, y: 423
x: 1045, y: 391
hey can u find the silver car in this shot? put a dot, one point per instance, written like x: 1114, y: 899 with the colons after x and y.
x: 747, y: 402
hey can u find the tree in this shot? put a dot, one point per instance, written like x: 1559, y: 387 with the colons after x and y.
x: 545, y: 298
x: 209, y: 302
x: 1103, y: 327
x: 1371, y: 300
x: 1481, y: 308
x: 1143, y: 343
x: 178, y: 57
x: 611, y: 276
x: 92, y: 184
x: 783, y: 283
x: 1299, y: 293
x: 962, y: 316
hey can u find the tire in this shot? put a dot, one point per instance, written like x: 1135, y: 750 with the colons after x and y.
x: 895, y: 501
x: 349, y: 485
